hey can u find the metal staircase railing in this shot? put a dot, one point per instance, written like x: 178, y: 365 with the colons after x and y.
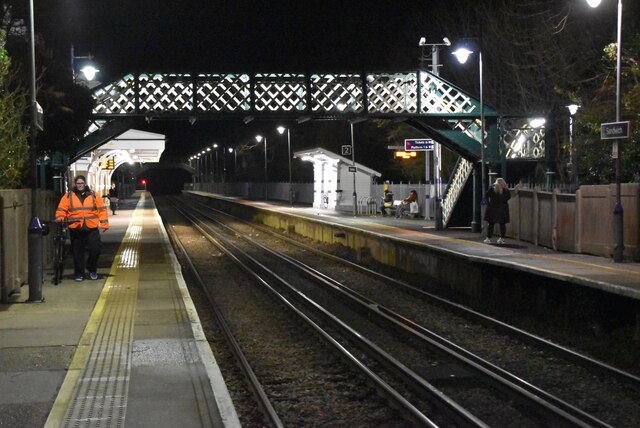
x: 461, y: 173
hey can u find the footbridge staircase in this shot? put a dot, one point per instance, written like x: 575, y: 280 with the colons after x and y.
x: 428, y: 103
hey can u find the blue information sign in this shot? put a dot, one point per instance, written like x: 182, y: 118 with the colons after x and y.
x: 417, y: 145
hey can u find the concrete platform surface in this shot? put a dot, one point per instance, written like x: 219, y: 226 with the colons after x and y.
x: 125, y: 350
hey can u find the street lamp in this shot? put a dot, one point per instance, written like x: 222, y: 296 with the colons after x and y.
x: 89, y: 71
x: 208, y: 167
x: 259, y: 138
x: 235, y: 158
x: 204, y: 165
x: 618, y: 213
x: 462, y: 54
x: 353, y: 161
x: 573, y: 109
x: 35, y: 240
x: 216, y: 169
x: 281, y: 130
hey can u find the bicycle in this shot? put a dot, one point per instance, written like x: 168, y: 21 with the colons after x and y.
x: 59, y: 251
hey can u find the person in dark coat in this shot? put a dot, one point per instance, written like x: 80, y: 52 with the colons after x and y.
x: 497, y: 209
x: 113, y: 198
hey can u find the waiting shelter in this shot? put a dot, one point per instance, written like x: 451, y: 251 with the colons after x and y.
x: 334, y: 178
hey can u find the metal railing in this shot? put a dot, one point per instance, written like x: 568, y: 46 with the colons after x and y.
x: 461, y: 173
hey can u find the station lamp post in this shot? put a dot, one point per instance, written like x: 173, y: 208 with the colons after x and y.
x: 203, y: 154
x: 235, y: 158
x: 216, y: 169
x: 281, y: 130
x: 353, y: 162
x: 353, y: 168
x: 35, y: 239
x: 259, y: 138
x: 462, y: 54
x: 198, y: 167
x: 573, y: 167
x: 618, y: 214
x: 209, y: 166
x: 88, y: 71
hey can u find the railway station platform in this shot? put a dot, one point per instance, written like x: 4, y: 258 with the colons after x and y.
x: 126, y: 350
x: 583, y: 270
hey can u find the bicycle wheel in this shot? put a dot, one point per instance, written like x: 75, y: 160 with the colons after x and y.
x: 58, y: 264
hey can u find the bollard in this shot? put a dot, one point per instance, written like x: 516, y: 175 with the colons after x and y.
x: 35, y: 260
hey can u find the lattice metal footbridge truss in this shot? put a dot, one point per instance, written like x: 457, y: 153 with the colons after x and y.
x: 425, y: 101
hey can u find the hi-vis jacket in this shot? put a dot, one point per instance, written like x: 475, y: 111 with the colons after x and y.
x: 91, y: 211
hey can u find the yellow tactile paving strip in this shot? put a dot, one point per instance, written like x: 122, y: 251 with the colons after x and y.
x: 94, y: 392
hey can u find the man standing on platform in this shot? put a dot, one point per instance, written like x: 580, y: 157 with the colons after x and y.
x: 86, y: 215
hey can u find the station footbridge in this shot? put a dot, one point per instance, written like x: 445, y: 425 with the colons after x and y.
x: 436, y: 108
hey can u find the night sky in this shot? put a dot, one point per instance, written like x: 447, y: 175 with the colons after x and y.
x: 258, y: 36
x: 234, y: 35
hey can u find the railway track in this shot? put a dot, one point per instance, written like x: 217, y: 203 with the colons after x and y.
x: 421, y: 361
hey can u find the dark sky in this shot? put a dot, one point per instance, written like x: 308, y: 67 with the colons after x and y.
x: 234, y: 35
x: 252, y: 36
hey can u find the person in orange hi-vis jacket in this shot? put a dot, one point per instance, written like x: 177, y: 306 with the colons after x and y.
x: 86, y: 215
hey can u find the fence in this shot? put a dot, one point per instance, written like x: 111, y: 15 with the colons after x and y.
x: 15, y: 217
x: 303, y: 193
x: 576, y: 223
x: 580, y: 222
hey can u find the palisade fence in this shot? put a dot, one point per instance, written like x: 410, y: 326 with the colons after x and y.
x: 15, y: 217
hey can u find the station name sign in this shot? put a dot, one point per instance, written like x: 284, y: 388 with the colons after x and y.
x: 614, y: 130
x: 416, y: 145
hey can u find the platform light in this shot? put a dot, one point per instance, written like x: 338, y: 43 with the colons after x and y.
x: 281, y: 130
x: 537, y: 122
x: 401, y: 154
x: 89, y: 72
x: 259, y: 138
x: 462, y: 54
x: 618, y: 211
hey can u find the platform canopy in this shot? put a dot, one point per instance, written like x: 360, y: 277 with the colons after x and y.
x: 137, y: 146
x: 132, y: 147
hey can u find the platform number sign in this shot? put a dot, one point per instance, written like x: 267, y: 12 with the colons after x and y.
x: 346, y: 150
